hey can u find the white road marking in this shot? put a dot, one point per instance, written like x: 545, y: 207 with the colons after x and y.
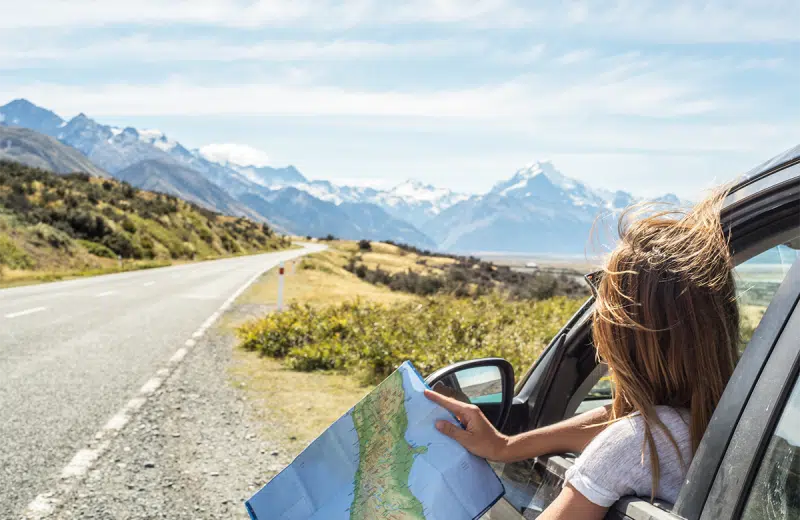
x: 25, y: 312
x: 106, y: 293
x: 46, y: 504
x: 82, y: 461
x: 148, y: 284
x: 42, y: 506
x: 179, y: 355
x: 150, y: 386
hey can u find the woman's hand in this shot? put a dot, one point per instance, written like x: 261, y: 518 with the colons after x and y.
x: 478, y: 436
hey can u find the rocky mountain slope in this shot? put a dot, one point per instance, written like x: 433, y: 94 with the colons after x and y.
x: 167, y: 177
x: 41, y: 151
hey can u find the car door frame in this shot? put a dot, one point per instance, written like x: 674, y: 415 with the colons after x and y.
x: 759, y: 214
x: 742, y: 459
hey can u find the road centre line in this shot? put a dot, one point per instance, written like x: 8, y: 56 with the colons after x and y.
x: 148, y: 284
x: 106, y: 293
x: 25, y: 312
x: 45, y: 504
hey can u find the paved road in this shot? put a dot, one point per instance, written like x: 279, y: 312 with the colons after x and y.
x: 73, y: 353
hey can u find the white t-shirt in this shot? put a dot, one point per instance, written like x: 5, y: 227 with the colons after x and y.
x: 612, y: 465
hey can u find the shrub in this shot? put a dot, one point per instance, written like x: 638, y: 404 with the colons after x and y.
x: 364, y: 245
x: 12, y: 255
x: 52, y: 236
x: 97, y: 249
x: 120, y: 243
x: 375, y: 339
x: 128, y: 225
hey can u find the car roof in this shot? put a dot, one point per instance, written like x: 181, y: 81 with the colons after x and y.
x: 779, y: 172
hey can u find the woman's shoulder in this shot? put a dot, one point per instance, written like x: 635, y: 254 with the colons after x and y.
x: 676, y: 420
x: 630, y: 431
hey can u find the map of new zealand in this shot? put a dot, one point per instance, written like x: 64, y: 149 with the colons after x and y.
x: 382, y: 460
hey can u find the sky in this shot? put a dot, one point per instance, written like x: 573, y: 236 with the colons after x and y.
x: 649, y: 96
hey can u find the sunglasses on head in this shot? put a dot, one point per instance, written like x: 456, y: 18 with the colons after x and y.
x: 593, y: 279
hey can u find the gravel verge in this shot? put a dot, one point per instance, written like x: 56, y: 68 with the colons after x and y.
x: 197, y: 449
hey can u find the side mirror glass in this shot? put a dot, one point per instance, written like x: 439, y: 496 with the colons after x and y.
x: 487, y: 383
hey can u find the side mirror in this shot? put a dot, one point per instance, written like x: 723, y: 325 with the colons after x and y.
x: 487, y: 383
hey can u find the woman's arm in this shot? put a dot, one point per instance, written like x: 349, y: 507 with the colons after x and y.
x: 481, y: 438
x: 571, y: 505
x: 568, y: 436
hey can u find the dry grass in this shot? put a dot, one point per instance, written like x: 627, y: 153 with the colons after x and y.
x: 319, y: 280
x: 302, y: 404
x: 306, y: 403
x: 20, y: 277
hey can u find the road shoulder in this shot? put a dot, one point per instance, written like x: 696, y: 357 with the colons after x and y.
x: 197, y: 449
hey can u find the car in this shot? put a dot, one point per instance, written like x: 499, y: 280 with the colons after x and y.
x: 748, y: 462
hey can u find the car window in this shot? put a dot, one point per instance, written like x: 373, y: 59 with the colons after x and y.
x: 757, y: 280
x: 776, y: 489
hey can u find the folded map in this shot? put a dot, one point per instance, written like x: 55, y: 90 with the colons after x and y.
x: 383, y: 459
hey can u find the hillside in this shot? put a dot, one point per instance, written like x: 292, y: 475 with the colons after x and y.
x: 164, y: 176
x: 41, y: 151
x: 63, y: 225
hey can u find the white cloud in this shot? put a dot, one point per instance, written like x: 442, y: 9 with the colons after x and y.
x: 576, y: 56
x: 765, y: 63
x: 650, y: 93
x: 239, y: 154
x: 646, y: 20
x: 143, y: 49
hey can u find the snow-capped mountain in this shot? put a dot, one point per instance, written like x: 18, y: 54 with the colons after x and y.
x: 22, y: 112
x: 538, y: 209
x: 412, y: 201
x: 112, y: 148
x: 417, y: 202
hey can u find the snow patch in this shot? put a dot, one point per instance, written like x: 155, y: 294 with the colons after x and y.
x: 236, y: 154
x: 164, y: 144
x: 150, y: 135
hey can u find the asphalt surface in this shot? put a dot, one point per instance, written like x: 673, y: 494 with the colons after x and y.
x: 73, y: 353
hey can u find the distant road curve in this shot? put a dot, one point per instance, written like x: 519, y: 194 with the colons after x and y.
x: 73, y: 353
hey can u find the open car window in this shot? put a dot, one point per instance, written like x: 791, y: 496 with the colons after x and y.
x: 532, y: 485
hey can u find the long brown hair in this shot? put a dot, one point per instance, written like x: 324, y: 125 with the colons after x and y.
x: 666, y: 319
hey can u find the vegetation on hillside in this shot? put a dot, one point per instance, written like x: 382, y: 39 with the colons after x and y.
x: 340, y: 321
x: 66, y: 223
x: 464, y: 276
x: 374, y: 339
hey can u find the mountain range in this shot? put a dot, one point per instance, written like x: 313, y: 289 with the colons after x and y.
x: 537, y: 210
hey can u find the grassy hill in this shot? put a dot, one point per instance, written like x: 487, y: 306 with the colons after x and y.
x: 52, y: 226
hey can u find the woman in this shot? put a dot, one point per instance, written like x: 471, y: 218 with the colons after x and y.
x: 667, y: 325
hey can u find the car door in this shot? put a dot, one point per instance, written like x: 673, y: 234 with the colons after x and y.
x: 759, y: 475
x: 762, y: 215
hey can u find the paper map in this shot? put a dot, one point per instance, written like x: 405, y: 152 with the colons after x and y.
x: 383, y: 459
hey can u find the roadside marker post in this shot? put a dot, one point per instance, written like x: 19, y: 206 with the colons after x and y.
x: 280, y: 286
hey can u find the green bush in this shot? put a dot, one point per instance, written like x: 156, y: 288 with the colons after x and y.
x: 97, y: 249
x: 52, y: 236
x: 12, y: 255
x: 374, y: 339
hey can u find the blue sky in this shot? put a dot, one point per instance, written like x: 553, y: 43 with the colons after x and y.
x: 648, y: 95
